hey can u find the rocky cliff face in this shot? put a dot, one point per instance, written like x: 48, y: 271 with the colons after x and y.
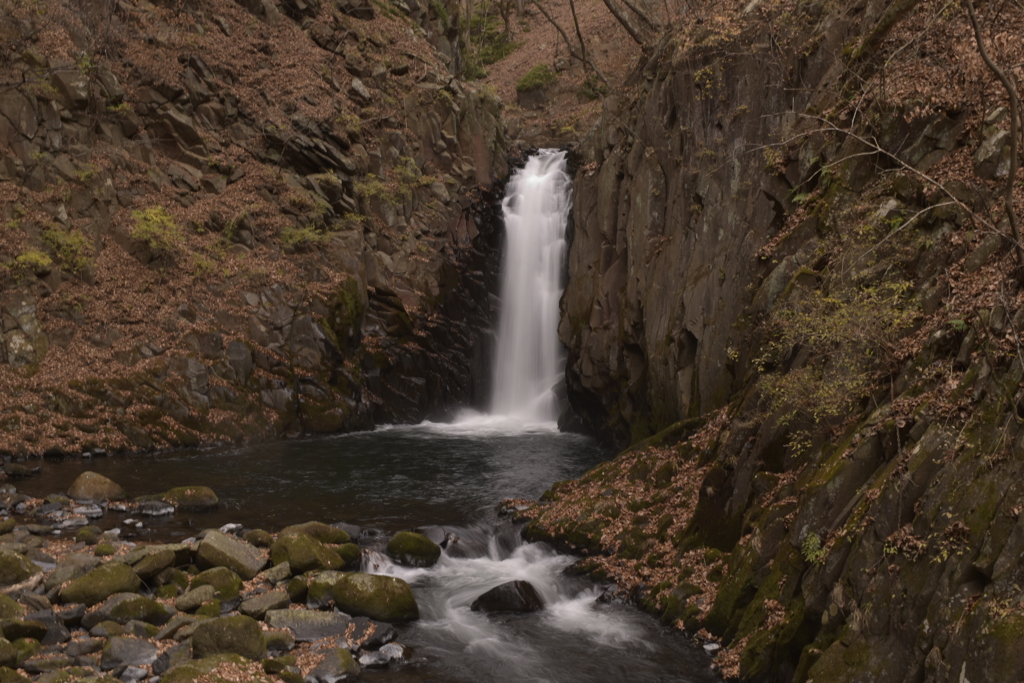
x: 225, y: 221
x: 791, y: 265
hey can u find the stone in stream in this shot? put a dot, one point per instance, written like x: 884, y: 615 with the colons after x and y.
x: 514, y: 596
x: 193, y: 599
x: 90, y: 486
x: 320, y: 588
x: 15, y: 568
x: 100, y: 583
x: 121, y: 650
x: 308, y: 626
x: 9, y: 608
x: 413, y: 550
x: 71, y: 567
x: 336, y: 665
x: 154, y: 563
x: 258, y: 605
x: 15, y: 629
x: 188, y: 498
x: 384, y: 598
x: 325, y: 533
x: 221, y: 550
x: 226, y: 583
x: 8, y: 654
x: 304, y: 553
x: 240, y: 635
x: 125, y: 607
x: 172, y: 657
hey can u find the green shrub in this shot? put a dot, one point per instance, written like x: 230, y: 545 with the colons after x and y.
x: 592, y: 88
x: 33, y: 261
x: 540, y: 76
x: 302, y: 238
x: 71, y: 248
x: 157, y: 229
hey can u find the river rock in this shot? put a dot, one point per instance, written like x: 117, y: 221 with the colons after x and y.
x: 191, y: 498
x: 221, y: 550
x: 304, y: 553
x: 191, y: 601
x: 413, y: 550
x: 279, y: 640
x: 384, y: 598
x: 154, y: 563
x: 306, y: 625
x: 367, y: 634
x: 9, y: 608
x: 71, y: 567
x: 320, y: 588
x: 15, y: 629
x: 238, y: 634
x: 121, y: 650
x: 514, y: 596
x: 95, y: 487
x: 172, y: 657
x: 336, y: 665
x: 8, y: 655
x: 226, y: 582
x: 100, y: 583
x: 125, y: 607
x: 257, y: 606
x: 325, y: 533
x: 15, y: 568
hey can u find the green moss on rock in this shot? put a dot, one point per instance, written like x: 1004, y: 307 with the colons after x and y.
x: 100, y: 583
x: 325, y: 533
x: 225, y: 582
x: 15, y: 568
x: 384, y: 598
x: 413, y: 550
x: 240, y: 635
x: 304, y: 553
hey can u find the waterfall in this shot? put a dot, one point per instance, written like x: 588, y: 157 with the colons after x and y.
x: 529, y: 358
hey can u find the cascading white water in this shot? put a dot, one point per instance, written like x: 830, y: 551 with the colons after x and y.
x: 529, y: 359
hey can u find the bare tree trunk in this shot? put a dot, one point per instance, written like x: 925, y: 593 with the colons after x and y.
x: 634, y: 33
x: 579, y: 34
x: 565, y: 37
x: 1015, y: 112
x: 652, y: 23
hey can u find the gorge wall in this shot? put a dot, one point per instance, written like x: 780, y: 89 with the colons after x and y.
x: 225, y: 221
x: 792, y: 292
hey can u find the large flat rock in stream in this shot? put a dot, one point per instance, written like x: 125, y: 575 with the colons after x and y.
x: 307, y: 625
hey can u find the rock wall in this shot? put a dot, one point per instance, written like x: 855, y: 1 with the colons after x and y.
x: 226, y: 221
x: 792, y: 291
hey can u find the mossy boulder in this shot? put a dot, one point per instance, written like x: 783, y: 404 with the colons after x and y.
x: 8, y: 655
x: 125, y: 607
x: 413, y: 550
x: 93, y: 486
x: 104, y: 549
x: 10, y: 608
x: 15, y: 629
x: 8, y: 675
x: 221, y: 550
x: 100, y: 583
x: 225, y: 582
x: 258, y: 538
x: 154, y: 563
x: 224, y: 668
x: 320, y: 589
x: 240, y: 635
x: 26, y: 647
x: 15, y: 568
x: 304, y: 553
x: 191, y: 498
x: 336, y: 665
x: 350, y: 555
x: 325, y: 533
x: 384, y: 598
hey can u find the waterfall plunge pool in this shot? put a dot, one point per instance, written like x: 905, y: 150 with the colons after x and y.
x: 402, y: 477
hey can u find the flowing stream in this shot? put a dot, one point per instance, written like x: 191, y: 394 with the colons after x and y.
x: 450, y: 476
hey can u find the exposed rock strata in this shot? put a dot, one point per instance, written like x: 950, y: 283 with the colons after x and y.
x: 232, y: 221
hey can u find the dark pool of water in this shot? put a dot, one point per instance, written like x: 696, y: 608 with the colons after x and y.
x: 392, y: 478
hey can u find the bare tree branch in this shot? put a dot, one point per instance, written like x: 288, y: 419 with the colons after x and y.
x: 634, y: 33
x: 568, y: 44
x: 1011, y: 92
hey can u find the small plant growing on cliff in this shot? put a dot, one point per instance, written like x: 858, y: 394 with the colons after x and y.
x: 540, y: 76
x: 71, y: 248
x: 33, y: 261
x: 812, y: 550
x: 157, y: 229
